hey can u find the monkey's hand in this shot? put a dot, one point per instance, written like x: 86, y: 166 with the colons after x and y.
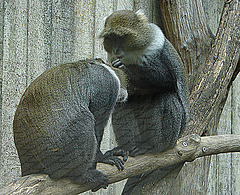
x: 113, y: 160
x: 118, y: 64
x: 110, y: 158
x: 118, y: 151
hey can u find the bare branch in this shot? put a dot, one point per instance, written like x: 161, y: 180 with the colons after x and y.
x: 187, y: 149
x: 212, y: 84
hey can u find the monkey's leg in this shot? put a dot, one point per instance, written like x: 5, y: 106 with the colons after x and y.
x: 161, y: 123
x: 75, y: 147
x: 125, y: 126
x: 100, y: 124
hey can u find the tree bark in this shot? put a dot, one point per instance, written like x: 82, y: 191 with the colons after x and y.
x: 212, y: 85
x: 187, y: 149
x: 211, y: 64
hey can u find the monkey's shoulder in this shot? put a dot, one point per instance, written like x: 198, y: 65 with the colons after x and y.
x: 66, y: 79
x: 82, y: 69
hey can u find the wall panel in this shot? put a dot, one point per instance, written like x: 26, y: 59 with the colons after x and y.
x: 14, y: 81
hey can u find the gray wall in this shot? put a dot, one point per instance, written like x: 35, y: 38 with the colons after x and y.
x: 39, y: 34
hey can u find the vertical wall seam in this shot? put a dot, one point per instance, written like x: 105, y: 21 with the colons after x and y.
x: 232, y: 107
x: 115, y: 3
x: 62, y: 30
x: 94, y: 28
x: 231, y: 154
x: 134, y: 5
x: 217, y: 174
x: 2, y: 17
x: 48, y: 28
x: 27, y: 45
x: 51, y: 34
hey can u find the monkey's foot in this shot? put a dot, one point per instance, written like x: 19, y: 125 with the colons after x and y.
x: 118, y: 151
x: 95, y: 179
x: 112, y: 160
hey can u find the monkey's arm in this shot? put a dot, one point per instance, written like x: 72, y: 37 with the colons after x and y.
x: 147, y: 78
x: 176, y: 67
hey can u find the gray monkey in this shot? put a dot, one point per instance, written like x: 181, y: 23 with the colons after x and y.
x: 59, y: 122
x: 157, y: 107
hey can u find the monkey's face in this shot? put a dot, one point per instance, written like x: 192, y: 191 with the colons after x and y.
x: 125, y: 33
x: 122, y: 47
x: 116, y: 47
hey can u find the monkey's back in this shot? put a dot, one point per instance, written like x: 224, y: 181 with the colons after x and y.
x: 54, y: 122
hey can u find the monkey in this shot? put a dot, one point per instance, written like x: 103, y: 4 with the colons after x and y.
x: 59, y: 122
x: 157, y: 108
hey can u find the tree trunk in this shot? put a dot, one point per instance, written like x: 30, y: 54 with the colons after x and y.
x: 211, y: 65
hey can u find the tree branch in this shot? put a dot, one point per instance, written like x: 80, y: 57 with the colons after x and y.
x: 212, y: 84
x: 187, y: 149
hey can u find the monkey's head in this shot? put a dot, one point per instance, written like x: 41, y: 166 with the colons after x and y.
x: 126, y: 32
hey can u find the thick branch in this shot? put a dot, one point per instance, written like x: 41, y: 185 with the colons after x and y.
x: 210, y: 67
x: 186, y: 27
x: 187, y: 149
x: 211, y: 86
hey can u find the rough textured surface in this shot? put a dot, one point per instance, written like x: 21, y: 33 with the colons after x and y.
x: 197, y: 170
x: 187, y: 149
x: 36, y: 35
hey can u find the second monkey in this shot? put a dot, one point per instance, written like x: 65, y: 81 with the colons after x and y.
x: 157, y: 108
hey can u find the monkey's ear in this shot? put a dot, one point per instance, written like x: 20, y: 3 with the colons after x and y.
x: 140, y: 14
